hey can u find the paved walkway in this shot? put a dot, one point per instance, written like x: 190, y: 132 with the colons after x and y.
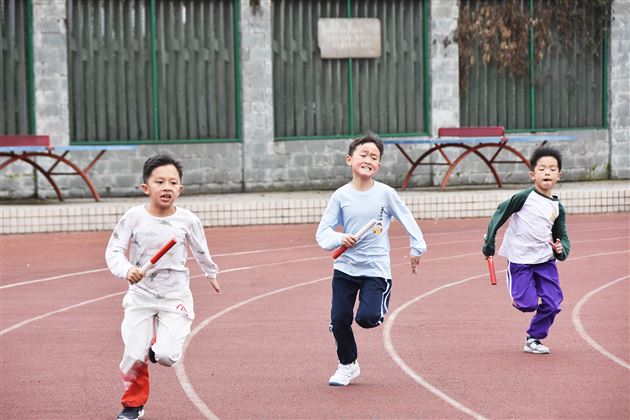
x: 299, y: 206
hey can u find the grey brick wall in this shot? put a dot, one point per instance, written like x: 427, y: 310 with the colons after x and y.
x: 259, y: 158
x: 51, y: 69
x: 444, y: 65
x: 260, y: 164
x: 619, y: 100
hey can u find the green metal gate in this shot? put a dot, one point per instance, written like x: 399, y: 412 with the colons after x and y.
x: 146, y: 71
x: 330, y: 98
x: 566, y: 89
x: 16, y: 68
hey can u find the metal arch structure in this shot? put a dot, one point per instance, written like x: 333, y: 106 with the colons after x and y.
x: 25, y: 148
x: 472, y: 140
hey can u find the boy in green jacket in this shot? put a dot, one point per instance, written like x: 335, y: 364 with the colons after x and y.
x: 535, y: 238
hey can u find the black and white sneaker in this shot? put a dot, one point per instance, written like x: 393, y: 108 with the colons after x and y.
x: 131, y: 413
x: 533, y: 345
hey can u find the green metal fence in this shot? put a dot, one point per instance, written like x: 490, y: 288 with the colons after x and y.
x: 16, y: 68
x: 329, y: 98
x: 565, y: 90
x: 146, y: 71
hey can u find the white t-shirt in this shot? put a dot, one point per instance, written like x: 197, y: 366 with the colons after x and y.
x: 536, y: 220
x: 528, y: 236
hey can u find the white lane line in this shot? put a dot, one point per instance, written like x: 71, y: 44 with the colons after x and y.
x: 61, y: 276
x: 67, y: 308
x: 28, y: 321
x: 389, y: 346
x: 231, y: 270
x: 253, y: 267
x: 259, y: 251
x: 262, y: 251
x: 188, y: 388
x: 45, y: 315
x: 579, y: 327
x: 180, y: 368
x: 100, y: 270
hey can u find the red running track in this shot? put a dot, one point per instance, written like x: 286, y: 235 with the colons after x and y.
x: 449, y: 348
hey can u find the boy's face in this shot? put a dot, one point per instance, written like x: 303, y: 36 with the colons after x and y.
x: 163, y: 186
x: 545, y: 174
x: 365, y: 161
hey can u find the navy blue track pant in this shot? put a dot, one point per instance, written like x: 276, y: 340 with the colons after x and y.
x: 374, y: 295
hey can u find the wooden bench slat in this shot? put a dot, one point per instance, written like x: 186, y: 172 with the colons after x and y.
x: 492, y: 131
x: 472, y: 140
x: 24, y: 140
x: 26, y: 147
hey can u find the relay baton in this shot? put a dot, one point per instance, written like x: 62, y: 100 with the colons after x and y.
x: 149, y: 264
x: 360, y: 234
x: 493, y: 274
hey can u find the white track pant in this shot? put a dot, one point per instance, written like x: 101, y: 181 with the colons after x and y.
x: 146, y: 318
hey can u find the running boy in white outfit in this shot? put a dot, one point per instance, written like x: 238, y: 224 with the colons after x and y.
x: 365, y: 267
x: 158, y: 306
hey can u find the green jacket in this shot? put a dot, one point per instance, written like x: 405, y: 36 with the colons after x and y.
x: 528, y: 233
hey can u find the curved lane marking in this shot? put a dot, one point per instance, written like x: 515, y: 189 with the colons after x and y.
x: 186, y: 386
x: 579, y: 327
x: 389, y: 346
x: 60, y: 276
x: 86, y: 302
x: 180, y: 367
x: 99, y: 270
x: 64, y: 309
x: 259, y: 251
x: 28, y: 321
x: 189, y: 390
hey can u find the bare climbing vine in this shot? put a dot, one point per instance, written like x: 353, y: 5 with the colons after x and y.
x: 499, y: 31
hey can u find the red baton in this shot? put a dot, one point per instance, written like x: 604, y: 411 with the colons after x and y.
x: 493, y: 275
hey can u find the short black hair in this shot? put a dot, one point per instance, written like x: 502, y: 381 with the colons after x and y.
x: 368, y: 138
x: 157, y: 161
x: 544, y: 151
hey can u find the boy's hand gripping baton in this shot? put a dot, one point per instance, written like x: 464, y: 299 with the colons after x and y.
x: 149, y: 264
x: 493, y: 275
x: 359, y: 234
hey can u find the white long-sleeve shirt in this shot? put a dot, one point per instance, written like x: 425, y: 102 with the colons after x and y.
x: 352, y: 209
x: 143, y: 235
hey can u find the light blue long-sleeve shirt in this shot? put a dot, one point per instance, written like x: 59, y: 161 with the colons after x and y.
x: 352, y: 209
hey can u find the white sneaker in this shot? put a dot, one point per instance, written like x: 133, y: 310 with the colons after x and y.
x: 345, y: 374
x: 533, y: 345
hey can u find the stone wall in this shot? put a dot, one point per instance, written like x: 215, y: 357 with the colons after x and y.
x: 51, y: 69
x: 257, y: 101
x: 259, y: 163
x: 619, y: 99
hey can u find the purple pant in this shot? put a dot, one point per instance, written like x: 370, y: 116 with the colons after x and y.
x: 529, y: 282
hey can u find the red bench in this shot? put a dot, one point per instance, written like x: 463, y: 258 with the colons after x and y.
x: 472, y: 140
x: 21, y: 140
x: 25, y: 148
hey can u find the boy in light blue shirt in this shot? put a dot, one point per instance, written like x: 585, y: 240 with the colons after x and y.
x: 364, y: 269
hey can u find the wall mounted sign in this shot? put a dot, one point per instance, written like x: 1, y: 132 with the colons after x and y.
x: 349, y: 38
